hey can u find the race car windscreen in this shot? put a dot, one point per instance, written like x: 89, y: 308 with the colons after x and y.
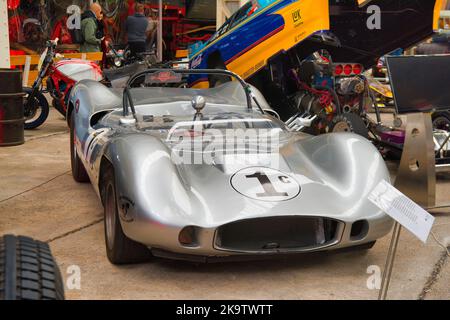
x: 418, y: 82
x: 154, y: 86
x: 227, y: 94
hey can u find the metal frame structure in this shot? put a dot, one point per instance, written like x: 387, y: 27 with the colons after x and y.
x: 416, y: 179
x: 5, y: 60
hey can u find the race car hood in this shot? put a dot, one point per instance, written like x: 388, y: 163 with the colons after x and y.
x: 374, y: 28
x: 329, y: 175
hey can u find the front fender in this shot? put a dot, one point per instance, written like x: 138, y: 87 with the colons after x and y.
x: 349, y: 165
x: 148, y: 181
x: 94, y: 96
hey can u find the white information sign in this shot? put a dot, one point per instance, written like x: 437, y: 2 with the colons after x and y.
x: 403, y: 210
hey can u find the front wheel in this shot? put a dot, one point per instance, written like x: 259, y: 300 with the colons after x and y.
x: 78, y: 171
x: 119, y: 248
x: 36, y: 111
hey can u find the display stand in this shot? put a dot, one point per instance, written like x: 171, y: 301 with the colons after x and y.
x: 416, y: 179
x: 417, y: 173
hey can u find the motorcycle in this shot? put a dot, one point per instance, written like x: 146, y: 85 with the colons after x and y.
x: 61, y: 77
x: 117, y: 56
x: 125, y: 65
x: 64, y: 74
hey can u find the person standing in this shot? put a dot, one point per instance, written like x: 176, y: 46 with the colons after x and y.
x: 152, y: 30
x: 62, y: 32
x: 137, y: 30
x: 92, y: 34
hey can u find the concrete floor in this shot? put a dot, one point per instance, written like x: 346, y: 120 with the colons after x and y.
x: 39, y: 198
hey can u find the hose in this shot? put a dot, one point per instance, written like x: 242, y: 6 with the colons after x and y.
x: 335, y: 97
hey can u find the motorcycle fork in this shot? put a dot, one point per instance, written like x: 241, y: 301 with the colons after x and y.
x: 36, y: 88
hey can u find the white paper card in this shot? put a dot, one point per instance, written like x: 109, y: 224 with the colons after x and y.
x: 403, y: 210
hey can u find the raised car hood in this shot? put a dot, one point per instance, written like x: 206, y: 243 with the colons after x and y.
x: 404, y: 23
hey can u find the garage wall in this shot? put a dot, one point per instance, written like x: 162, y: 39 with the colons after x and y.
x: 225, y: 8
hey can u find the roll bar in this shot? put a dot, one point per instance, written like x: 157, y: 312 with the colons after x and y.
x: 128, y: 101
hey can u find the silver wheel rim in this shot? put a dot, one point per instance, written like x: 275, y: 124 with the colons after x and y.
x: 34, y: 115
x: 74, y: 147
x: 110, y: 218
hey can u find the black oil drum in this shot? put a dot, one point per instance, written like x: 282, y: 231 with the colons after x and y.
x: 11, y: 108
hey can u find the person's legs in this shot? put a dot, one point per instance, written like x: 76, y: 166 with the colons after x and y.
x: 136, y: 48
x: 132, y: 49
x: 151, y: 42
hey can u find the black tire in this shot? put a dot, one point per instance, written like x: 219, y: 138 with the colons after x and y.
x: 217, y: 80
x: 366, y: 246
x: 351, y: 122
x: 441, y: 121
x: 28, y: 270
x: 78, y: 171
x: 119, y: 248
x: 362, y: 247
x: 393, y: 154
x: 42, y: 111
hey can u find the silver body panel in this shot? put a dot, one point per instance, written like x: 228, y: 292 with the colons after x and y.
x: 336, y: 173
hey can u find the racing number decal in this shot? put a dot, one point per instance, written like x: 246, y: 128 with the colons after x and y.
x: 92, y: 142
x: 269, y: 189
x: 265, y: 184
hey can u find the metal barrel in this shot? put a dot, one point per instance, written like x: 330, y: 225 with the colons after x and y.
x: 11, y: 108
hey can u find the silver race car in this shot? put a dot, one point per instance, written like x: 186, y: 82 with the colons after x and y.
x: 213, y: 174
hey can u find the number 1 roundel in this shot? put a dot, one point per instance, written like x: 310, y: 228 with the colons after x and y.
x: 265, y: 184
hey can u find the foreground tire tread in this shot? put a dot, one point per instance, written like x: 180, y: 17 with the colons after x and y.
x: 28, y: 270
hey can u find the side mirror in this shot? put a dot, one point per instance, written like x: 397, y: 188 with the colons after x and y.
x: 198, y: 103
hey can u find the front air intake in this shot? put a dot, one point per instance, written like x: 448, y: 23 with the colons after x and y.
x: 277, y: 234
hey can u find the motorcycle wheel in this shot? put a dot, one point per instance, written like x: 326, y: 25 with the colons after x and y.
x: 441, y: 121
x: 36, y: 117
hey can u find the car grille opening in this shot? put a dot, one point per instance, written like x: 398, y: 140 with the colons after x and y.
x: 279, y: 233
